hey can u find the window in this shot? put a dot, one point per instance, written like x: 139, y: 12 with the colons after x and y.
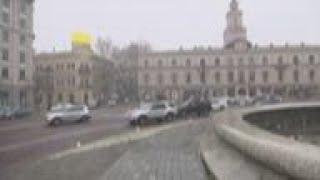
x: 23, y: 98
x: 5, y: 36
x: 217, y: 61
x: 188, y: 78
x: 265, y: 60
x: 296, y: 60
x: 311, y: 59
x: 5, y: 54
x: 230, y: 76
x: 6, y: 3
x: 312, y: 75
x: 22, y: 57
x: 241, y: 77
x: 160, y: 63
x: 73, y: 66
x: 174, y: 78
x: 203, y: 71
x: 5, y: 18
x: 296, y: 75
x: 160, y: 78
x: 22, y: 39
x: 5, y: 73
x: 22, y: 23
x: 240, y: 62
x: 265, y: 76
x: 251, y: 61
x: 22, y: 74
x: 174, y: 62
x: 146, y: 63
x: 217, y: 77
x: 280, y: 60
x: 146, y: 78
x: 230, y: 62
x: 280, y: 75
x: 60, y: 97
x: 23, y: 7
x: 252, y: 76
x: 188, y: 63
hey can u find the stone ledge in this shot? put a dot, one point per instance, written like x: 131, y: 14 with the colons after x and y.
x: 282, y: 155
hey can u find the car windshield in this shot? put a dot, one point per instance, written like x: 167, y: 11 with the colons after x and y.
x: 145, y: 106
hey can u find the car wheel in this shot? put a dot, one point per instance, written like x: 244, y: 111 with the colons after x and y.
x: 56, y: 122
x: 84, y: 118
x: 142, y: 120
x: 170, y: 117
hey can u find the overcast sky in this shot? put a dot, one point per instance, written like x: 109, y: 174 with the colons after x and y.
x: 167, y: 24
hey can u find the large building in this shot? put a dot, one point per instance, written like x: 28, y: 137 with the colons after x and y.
x: 16, y: 53
x: 237, y: 69
x: 77, y: 76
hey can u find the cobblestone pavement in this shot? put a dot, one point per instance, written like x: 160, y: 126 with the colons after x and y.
x: 173, y: 155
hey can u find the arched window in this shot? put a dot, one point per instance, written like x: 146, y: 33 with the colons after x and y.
x: 280, y: 60
x: 146, y: 78
x: 146, y: 63
x: 296, y: 60
x: 251, y: 61
x: 188, y: 78
x: 160, y: 78
x: 188, y: 62
x: 311, y: 59
x: 240, y: 61
x: 241, y: 77
x: 296, y: 75
x: 160, y: 63
x: 174, y: 62
x: 230, y: 76
x: 217, y: 61
x: 252, y: 76
x: 71, y: 98
x: 265, y: 60
x: 217, y: 77
x: 312, y: 75
x: 174, y: 78
x: 265, y: 76
x: 203, y: 71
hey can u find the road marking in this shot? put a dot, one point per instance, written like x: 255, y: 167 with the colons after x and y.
x: 119, y: 139
x: 56, y: 137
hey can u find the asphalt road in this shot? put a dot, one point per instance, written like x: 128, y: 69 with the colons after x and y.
x: 23, y: 141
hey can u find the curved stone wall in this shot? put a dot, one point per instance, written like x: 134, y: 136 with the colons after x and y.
x: 284, y: 155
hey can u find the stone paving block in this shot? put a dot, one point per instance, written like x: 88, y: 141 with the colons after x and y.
x: 172, y: 155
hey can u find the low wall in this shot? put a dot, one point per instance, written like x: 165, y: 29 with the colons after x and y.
x: 284, y: 155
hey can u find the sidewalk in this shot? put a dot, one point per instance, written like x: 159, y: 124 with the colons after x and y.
x: 172, y: 154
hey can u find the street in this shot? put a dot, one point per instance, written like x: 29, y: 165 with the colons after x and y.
x: 31, y: 139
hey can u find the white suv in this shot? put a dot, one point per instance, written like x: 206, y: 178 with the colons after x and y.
x: 218, y: 104
x: 68, y: 112
x: 153, y: 111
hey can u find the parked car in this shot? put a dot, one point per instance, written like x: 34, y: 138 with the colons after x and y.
x: 68, y: 113
x: 193, y: 107
x: 148, y: 112
x: 13, y: 113
x: 218, y: 104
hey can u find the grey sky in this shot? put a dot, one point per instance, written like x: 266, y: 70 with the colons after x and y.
x: 167, y: 24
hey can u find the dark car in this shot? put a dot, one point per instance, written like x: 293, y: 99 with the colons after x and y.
x: 194, y: 108
x: 13, y: 113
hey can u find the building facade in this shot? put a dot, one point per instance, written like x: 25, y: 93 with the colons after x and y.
x: 77, y: 76
x: 237, y: 69
x: 16, y: 53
